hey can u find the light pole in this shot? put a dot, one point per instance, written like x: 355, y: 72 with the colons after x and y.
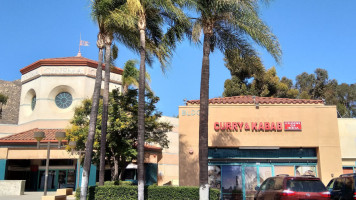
x: 39, y: 136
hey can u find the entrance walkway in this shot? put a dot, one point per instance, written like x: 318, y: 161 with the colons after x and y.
x: 28, y: 196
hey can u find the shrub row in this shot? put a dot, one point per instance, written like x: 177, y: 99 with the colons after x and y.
x: 117, y: 183
x: 129, y: 192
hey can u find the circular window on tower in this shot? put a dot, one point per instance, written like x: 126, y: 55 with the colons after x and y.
x: 63, y: 100
x: 33, y: 102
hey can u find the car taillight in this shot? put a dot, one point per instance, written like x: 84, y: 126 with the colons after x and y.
x: 354, y: 195
x: 288, y: 193
x: 325, y: 194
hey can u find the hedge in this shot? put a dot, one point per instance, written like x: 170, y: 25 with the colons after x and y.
x: 117, y: 183
x: 126, y: 192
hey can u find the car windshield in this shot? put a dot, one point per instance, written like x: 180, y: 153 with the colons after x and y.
x: 305, y: 185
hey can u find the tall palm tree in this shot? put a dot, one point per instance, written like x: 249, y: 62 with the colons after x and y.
x: 3, y: 101
x: 92, y: 121
x: 104, y: 120
x: 226, y: 25
x: 151, y: 18
x: 100, y: 9
x: 102, y: 14
x: 118, y: 17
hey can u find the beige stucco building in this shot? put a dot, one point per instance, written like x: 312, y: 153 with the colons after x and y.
x: 43, y: 81
x: 347, y: 131
x: 50, y: 91
x: 252, y: 138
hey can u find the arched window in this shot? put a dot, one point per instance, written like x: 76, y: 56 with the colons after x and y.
x: 33, y: 102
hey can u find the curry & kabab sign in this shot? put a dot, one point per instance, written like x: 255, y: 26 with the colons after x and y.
x: 258, y: 126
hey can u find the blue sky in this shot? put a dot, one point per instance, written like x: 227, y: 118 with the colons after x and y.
x: 312, y: 33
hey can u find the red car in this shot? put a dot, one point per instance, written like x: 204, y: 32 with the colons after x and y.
x: 292, y: 187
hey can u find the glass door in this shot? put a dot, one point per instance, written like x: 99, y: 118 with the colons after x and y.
x: 57, y: 179
x: 51, y: 180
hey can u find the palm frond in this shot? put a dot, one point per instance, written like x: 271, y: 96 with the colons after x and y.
x: 248, y: 21
x: 196, y: 31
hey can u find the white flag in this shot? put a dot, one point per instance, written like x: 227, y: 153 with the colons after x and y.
x: 84, y: 43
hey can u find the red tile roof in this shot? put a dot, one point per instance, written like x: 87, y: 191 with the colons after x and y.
x: 27, y: 136
x: 72, y: 61
x: 152, y: 148
x: 260, y: 100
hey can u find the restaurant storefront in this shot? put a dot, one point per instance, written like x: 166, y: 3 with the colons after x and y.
x: 253, y: 138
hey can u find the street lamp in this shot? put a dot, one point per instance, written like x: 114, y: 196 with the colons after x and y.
x: 39, y: 136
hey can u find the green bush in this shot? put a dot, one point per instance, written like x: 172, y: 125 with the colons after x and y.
x: 128, y: 192
x: 177, y: 193
x: 126, y: 183
x: 91, y: 193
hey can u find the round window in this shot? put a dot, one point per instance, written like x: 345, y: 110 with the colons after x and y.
x: 63, y: 100
x: 33, y: 102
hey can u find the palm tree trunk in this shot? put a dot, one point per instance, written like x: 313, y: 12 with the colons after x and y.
x: 92, y: 122
x: 203, y: 120
x: 141, y: 111
x: 0, y: 110
x: 104, y: 121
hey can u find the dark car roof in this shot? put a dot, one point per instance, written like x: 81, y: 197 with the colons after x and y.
x: 348, y: 175
x: 297, y: 177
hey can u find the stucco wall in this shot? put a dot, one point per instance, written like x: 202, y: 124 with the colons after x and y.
x: 47, y: 87
x: 347, y: 131
x: 168, y: 162
x: 319, y: 130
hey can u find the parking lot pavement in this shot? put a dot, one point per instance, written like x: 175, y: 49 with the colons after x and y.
x: 27, y: 196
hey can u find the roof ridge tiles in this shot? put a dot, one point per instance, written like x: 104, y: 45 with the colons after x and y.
x: 28, y: 135
x: 255, y: 99
x: 62, y: 61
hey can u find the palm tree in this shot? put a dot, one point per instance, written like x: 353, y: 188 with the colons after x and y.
x: 92, y: 121
x: 102, y: 14
x: 130, y: 76
x: 226, y: 26
x: 99, y: 13
x: 115, y: 18
x: 3, y: 101
x: 151, y: 17
x: 104, y: 120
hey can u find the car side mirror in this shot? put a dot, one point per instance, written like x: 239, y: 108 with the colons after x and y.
x: 257, y: 188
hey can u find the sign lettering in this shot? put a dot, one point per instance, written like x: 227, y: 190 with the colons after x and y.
x: 255, y: 126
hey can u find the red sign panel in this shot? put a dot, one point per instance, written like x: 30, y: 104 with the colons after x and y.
x: 292, y: 126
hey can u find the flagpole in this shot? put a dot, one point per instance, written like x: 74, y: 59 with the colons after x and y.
x: 80, y: 39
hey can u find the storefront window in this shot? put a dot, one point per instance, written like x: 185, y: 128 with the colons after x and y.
x: 250, y: 182
x: 264, y: 173
x: 70, y: 179
x: 214, y: 173
x: 305, y: 170
x: 232, y: 182
x: 50, y: 183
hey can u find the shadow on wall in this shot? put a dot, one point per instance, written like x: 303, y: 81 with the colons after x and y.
x: 188, y: 163
x: 224, y: 139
